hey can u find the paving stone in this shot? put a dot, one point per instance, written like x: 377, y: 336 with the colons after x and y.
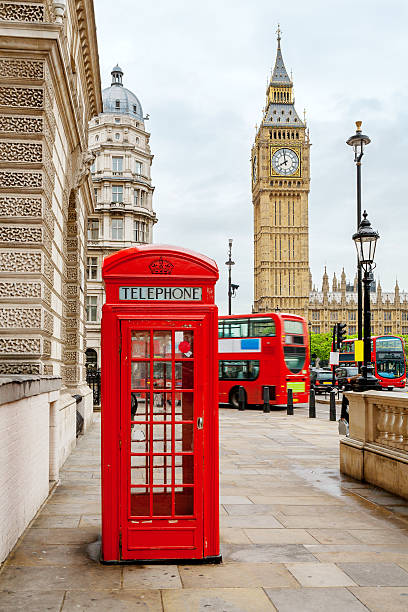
x: 383, y: 536
x: 314, y: 599
x: 319, y: 575
x: 23, y: 578
x: 296, y: 499
x: 79, y: 535
x: 151, y: 577
x: 87, y: 520
x: 279, y: 536
x: 32, y: 601
x: 234, y: 499
x: 376, y: 574
x: 335, y: 536
x: 383, y: 599
x: 113, y: 601
x: 265, y: 522
x: 56, y: 520
x: 264, y: 553
x: 237, y: 575
x: 233, y: 535
x: 216, y: 600
x: 46, y: 554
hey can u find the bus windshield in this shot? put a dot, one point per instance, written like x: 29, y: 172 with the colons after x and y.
x: 390, y: 368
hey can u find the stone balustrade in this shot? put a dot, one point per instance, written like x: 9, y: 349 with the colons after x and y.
x: 377, y: 449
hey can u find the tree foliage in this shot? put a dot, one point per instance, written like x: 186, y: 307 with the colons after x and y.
x: 320, y: 346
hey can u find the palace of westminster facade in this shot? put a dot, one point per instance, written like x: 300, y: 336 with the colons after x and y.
x: 280, y: 188
x: 75, y: 186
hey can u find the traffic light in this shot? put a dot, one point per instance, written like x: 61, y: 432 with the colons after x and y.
x: 341, y: 333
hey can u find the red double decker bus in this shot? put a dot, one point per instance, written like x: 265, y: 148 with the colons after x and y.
x: 387, y: 356
x: 259, y: 350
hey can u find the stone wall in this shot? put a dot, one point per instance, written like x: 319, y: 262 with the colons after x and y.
x: 36, y: 435
x: 377, y: 449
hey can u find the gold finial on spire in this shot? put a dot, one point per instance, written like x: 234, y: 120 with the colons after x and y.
x: 358, y: 125
x: 279, y: 32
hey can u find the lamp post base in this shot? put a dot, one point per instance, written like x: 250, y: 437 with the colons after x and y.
x: 367, y: 381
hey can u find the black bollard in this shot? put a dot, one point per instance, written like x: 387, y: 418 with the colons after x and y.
x: 289, y: 409
x: 241, y: 398
x: 267, y: 406
x: 333, y: 416
x: 312, y: 404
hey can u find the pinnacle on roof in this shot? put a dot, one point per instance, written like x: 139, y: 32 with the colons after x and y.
x: 279, y: 74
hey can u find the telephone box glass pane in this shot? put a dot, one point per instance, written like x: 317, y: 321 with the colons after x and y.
x: 184, y: 344
x: 139, y: 438
x: 162, y: 469
x: 184, y: 436
x: 140, y: 374
x: 140, y: 344
x: 184, y: 500
x: 162, y: 437
x: 139, y: 501
x: 184, y: 471
x: 162, y: 406
x: 139, y: 471
x: 162, y: 375
x: 162, y: 344
x: 162, y: 501
x: 184, y: 374
x: 184, y: 406
x: 139, y: 406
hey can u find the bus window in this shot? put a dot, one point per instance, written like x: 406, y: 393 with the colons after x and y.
x: 238, y: 370
x: 262, y: 327
x: 293, y: 327
x: 295, y: 357
x: 389, y: 344
x: 235, y: 328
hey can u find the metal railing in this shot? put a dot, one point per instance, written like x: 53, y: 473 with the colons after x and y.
x: 93, y: 378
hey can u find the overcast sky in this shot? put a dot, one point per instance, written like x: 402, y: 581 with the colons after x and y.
x: 200, y: 69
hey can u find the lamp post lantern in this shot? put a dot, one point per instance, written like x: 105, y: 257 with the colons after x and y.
x: 365, y: 240
x: 358, y: 142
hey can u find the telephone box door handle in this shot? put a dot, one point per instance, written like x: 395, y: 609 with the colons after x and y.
x: 200, y: 423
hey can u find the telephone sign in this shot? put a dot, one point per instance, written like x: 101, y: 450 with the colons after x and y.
x: 159, y: 407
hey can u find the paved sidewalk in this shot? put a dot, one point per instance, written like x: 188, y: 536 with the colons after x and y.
x: 296, y: 536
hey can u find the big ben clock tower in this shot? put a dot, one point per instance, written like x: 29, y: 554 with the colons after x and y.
x: 280, y: 188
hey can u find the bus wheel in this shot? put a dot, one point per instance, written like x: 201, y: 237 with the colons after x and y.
x: 234, y: 397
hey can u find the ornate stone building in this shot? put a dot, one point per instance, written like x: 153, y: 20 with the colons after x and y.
x: 338, y: 303
x: 123, y: 215
x: 280, y: 188
x: 50, y: 89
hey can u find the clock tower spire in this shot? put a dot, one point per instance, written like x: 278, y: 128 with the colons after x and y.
x: 280, y: 188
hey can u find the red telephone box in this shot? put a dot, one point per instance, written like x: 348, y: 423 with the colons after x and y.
x: 159, y: 406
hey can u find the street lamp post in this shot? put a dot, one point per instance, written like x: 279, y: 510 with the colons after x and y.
x: 358, y: 141
x: 231, y: 287
x: 365, y: 240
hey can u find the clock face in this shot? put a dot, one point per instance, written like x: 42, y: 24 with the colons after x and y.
x: 285, y: 162
x: 254, y: 169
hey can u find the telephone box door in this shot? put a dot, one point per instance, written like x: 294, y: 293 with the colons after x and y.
x: 162, y: 403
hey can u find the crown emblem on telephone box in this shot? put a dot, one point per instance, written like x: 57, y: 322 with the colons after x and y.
x: 161, y: 266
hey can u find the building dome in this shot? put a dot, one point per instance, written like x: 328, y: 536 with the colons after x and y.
x: 119, y: 100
